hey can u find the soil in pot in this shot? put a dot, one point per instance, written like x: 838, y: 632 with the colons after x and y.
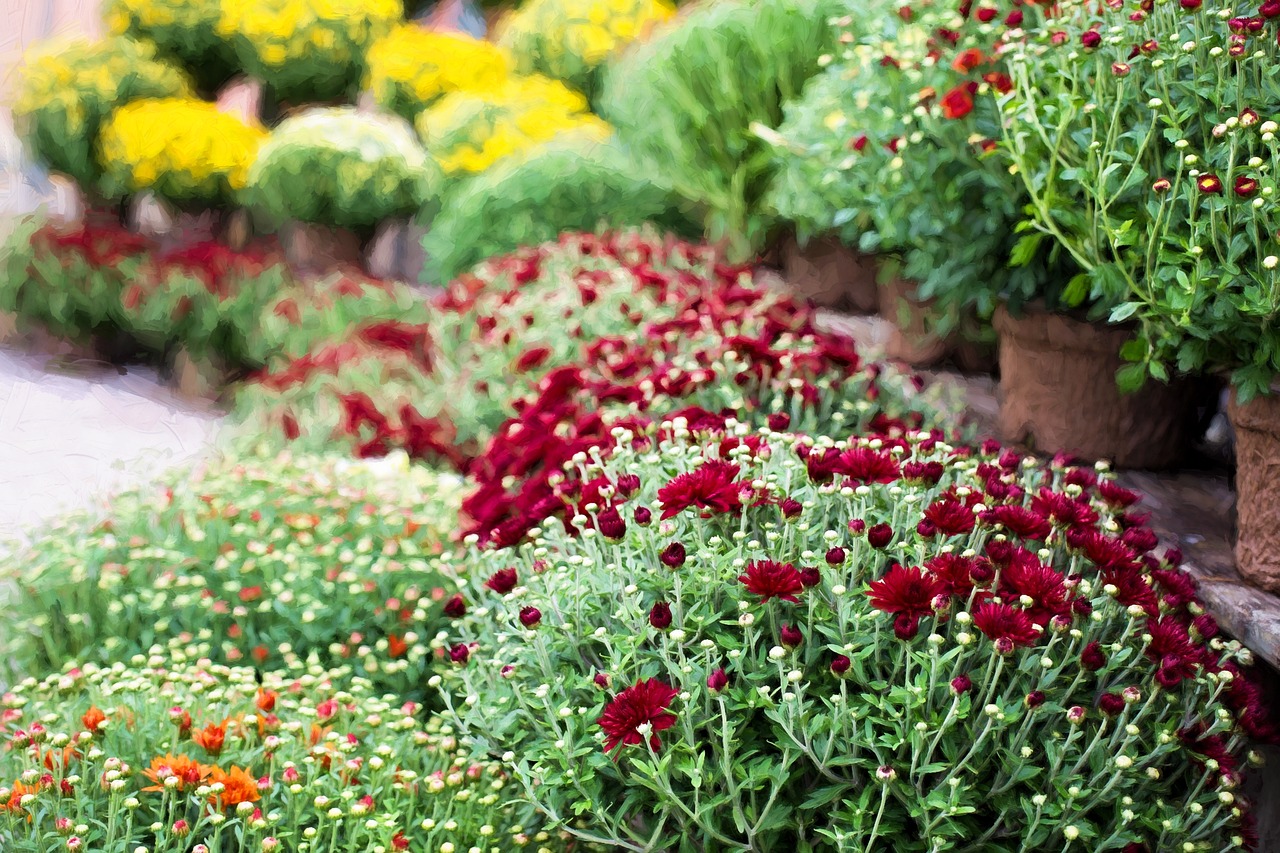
x: 1257, y: 443
x: 831, y: 274
x: 1058, y: 392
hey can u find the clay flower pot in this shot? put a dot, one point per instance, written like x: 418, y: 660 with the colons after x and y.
x: 1257, y: 436
x: 1058, y: 392
x: 914, y: 340
x: 311, y: 248
x: 831, y: 275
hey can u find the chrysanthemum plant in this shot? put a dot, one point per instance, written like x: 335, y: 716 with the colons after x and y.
x: 256, y: 561
x: 763, y: 641
x: 1142, y: 132
x: 172, y: 752
x: 906, y: 158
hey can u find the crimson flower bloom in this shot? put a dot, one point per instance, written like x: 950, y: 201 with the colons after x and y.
x: 660, y: 616
x: 1091, y: 39
x: 1209, y: 184
x: 712, y: 487
x: 902, y: 590
x: 455, y: 607
x: 950, y: 517
x: 642, y: 705
x: 957, y: 103
x: 967, y: 60
x: 1026, y: 523
x: 1003, y: 622
x: 768, y: 579
x: 502, y: 581
x: 1245, y: 187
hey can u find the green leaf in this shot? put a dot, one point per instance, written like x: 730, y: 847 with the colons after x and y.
x: 1123, y: 312
x: 1131, y: 377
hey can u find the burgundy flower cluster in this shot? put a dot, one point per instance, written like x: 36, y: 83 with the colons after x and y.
x: 659, y: 373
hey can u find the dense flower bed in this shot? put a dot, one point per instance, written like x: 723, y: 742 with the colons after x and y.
x: 257, y: 562
x: 770, y: 641
x: 174, y: 752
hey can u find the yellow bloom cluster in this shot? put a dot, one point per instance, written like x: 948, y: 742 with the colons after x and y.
x: 412, y: 67
x: 153, y: 15
x: 570, y: 39
x: 306, y: 44
x: 180, y: 148
x: 469, y: 132
x: 68, y: 88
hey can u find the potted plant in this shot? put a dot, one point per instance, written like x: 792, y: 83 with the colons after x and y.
x: 68, y: 90
x: 412, y: 67
x: 183, y: 31
x: 686, y: 102
x: 187, y: 154
x: 330, y: 176
x: 1159, y: 179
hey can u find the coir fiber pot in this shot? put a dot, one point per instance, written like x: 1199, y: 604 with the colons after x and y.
x: 831, y: 274
x: 1058, y: 392
x: 1257, y: 437
x: 918, y: 337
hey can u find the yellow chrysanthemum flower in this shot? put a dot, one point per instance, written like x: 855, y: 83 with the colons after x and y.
x: 412, y: 67
x: 180, y: 148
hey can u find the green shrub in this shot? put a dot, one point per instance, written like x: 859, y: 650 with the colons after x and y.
x: 258, y: 560
x: 343, y: 168
x: 172, y: 752
x: 685, y: 102
x: 67, y: 91
x: 569, y: 184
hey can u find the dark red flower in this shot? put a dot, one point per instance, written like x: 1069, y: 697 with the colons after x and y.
x: 1033, y: 700
x: 986, y: 14
x: 1003, y: 622
x: 768, y: 579
x: 1020, y: 521
x: 1091, y: 39
x: 502, y: 581
x: 840, y: 665
x: 459, y: 653
x: 643, y: 704
x: 1209, y: 184
x: 835, y: 556
x: 531, y: 358
x: 791, y: 508
x: 905, y: 590
x: 1014, y: 18
x: 660, y: 616
x: 1245, y: 187
x: 1111, y: 704
x: 712, y: 487
x: 967, y: 60
x: 810, y: 577
x: 610, y: 524
x: 953, y: 572
x: 950, y: 517
x: 961, y: 685
x: 642, y: 516
x: 1191, y: 5
x: 530, y: 616
x: 718, y: 680
x: 880, y: 536
x: 1092, y: 657
x: 791, y: 636
x: 455, y: 607
x: 1117, y: 496
x: 779, y: 421
x: 1172, y: 650
x: 673, y: 556
x: 1044, y: 586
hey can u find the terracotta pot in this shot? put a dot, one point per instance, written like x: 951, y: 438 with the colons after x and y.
x: 310, y: 248
x: 831, y: 274
x: 1058, y: 393
x: 1257, y: 436
x: 913, y: 339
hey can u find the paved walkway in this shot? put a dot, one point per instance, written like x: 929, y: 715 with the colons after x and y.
x: 73, y: 433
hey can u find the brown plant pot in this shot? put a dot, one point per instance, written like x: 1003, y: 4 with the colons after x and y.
x: 831, y: 274
x: 1058, y: 392
x: 912, y: 340
x: 1257, y: 433
x: 310, y: 248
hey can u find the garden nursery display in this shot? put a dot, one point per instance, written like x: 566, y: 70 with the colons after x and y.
x: 549, y: 517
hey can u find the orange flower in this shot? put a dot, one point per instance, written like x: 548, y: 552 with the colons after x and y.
x: 396, y: 646
x: 239, y: 786
x: 968, y: 60
x: 19, y: 791
x: 55, y: 758
x: 318, y: 732
x: 211, y: 737
x: 190, y: 773
x: 93, y: 718
x: 266, y: 699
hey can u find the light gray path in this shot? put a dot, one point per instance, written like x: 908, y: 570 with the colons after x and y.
x: 72, y: 435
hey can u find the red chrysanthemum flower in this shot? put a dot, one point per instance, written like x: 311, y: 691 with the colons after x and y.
x: 712, y: 487
x: 905, y: 590
x: 950, y: 517
x: 1003, y: 622
x: 1172, y: 650
x: 957, y: 103
x: 1044, y: 586
x: 954, y: 573
x: 1020, y: 521
x: 641, y: 706
x: 768, y: 579
x: 865, y: 466
x: 502, y: 581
